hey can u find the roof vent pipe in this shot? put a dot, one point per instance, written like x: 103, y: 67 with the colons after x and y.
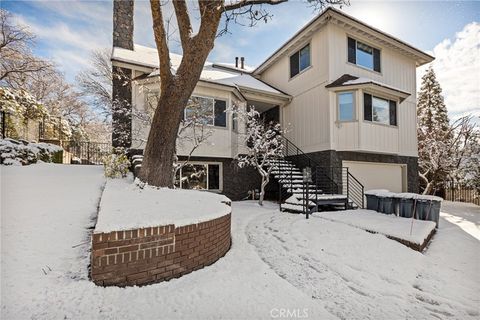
x: 236, y: 62
x: 242, y: 63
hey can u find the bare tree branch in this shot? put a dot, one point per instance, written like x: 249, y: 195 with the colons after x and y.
x: 244, y: 3
x: 183, y: 20
x: 161, y: 40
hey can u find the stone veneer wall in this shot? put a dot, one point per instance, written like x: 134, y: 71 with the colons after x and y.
x: 148, y: 255
x: 236, y: 181
x: 123, y: 26
x: 123, y: 23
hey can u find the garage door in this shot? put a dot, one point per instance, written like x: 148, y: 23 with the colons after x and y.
x: 378, y: 175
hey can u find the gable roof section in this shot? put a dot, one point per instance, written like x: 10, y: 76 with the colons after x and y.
x: 222, y: 74
x: 346, y: 21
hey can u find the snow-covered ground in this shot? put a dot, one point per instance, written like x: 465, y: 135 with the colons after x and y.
x: 359, y: 275
x: 415, y: 231
x: 278, y: 263
x: 47, y: 210
x: 154, y: 207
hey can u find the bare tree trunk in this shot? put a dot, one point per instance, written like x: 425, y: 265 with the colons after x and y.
x: 157, y: 167
x: 265, y: 180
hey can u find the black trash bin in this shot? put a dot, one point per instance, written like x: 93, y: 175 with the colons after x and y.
x: 372, y: 202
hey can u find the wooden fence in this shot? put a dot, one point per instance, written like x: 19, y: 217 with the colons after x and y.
x: 462, y: 194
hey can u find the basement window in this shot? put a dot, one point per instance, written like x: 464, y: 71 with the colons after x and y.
x: 205, y: 110
x: 300, y: 61
x: 199, y: 176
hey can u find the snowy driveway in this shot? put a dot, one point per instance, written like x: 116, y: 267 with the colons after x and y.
x: 46, y: 213
x: 359, y: 275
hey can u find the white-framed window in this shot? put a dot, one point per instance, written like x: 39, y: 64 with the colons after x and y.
x: 200, y: 176
x: 346, y: 106
x: 379, y: 110
x: 300, y: 61
x: 363, y: 55
x: 207, y: 110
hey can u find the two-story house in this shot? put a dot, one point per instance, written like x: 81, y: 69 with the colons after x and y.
x: 345, y: 90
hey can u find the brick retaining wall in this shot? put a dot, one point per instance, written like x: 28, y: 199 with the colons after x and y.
x: 155, y: 254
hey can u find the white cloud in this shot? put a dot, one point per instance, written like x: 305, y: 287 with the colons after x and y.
x: 457, y: 65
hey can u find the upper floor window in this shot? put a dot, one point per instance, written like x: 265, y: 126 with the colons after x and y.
x: 363, y: 55
x: 346, y: 106
x: 207, y: 111
x: 379, y: 110
x: 300, y: 61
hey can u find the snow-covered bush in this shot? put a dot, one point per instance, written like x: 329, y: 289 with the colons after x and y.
x: 19, y: 152
x: 116, y: 164
x: 20, y: 106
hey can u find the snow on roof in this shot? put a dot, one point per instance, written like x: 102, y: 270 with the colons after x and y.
x: 246, y: 68
x: 349, y: 80
x: 221, y: 73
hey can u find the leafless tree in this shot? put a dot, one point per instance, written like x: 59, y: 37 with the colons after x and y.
x: 177, y: 87
x: 17, y: 62
x: 95, y: 83
x: 450, y: 159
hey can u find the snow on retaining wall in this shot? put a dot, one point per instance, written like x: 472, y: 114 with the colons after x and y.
x: 413, y: 233
x: 148, y: 255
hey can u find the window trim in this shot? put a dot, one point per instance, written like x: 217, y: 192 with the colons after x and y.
x: 227, y: 103
x: 354, y: 103
x: 290, y: 77
x: 220, y: 176
x: 370, y: 45
x: 383, y: 97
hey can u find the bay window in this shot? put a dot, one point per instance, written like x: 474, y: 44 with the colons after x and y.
x: 379, y: 110
x: 346, y: 106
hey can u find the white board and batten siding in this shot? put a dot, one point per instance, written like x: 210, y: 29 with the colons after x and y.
x: 312, y: 113
x: 306, y: 115
x: 397, y: 71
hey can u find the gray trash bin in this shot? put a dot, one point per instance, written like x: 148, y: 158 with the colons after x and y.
x: 435, y: 211
x: 385, y: 203
x: 429, y: 208
x: 422, y: 209
x: 372, y: 202
x: 405, y: 207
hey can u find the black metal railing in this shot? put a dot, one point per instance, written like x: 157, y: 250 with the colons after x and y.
x: 327, y: 180
x: 345, y: 183
x: 86, y: 152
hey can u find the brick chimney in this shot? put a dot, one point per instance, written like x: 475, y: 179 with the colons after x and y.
x: 121, y: 86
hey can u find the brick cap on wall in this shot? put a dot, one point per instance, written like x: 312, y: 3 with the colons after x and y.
x: 155, y: 254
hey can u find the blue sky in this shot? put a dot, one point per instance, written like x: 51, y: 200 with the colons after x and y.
x: 68, y: 30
